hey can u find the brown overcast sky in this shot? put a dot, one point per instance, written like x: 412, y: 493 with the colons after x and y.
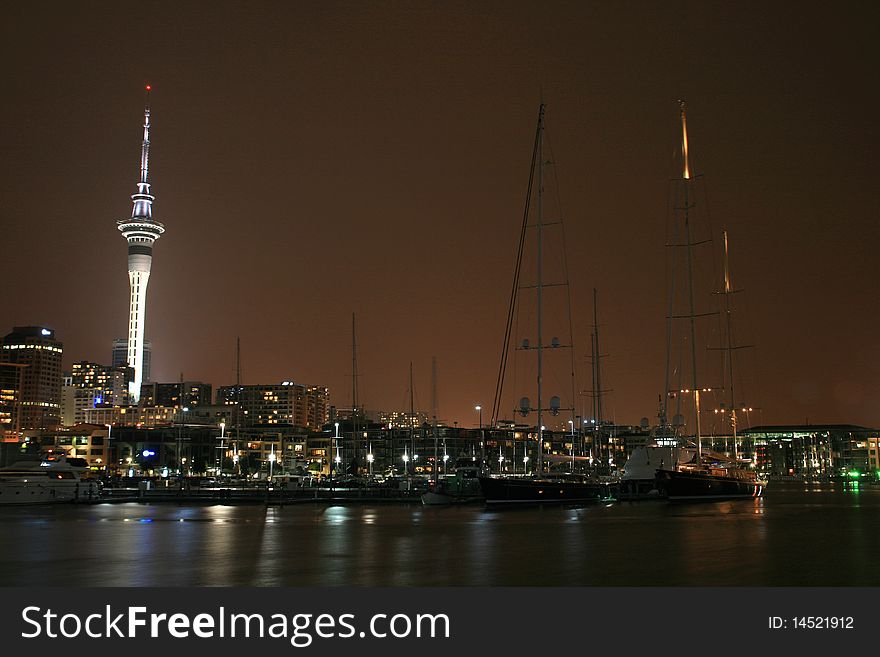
x: 314, y: 159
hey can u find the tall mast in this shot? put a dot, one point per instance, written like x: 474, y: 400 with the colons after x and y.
x: 354, y: 367
x: 540, y: 283
x: 434, y: 413
x: 354, y: 390
x: 238, y: 395
x: 597, y: 372
x: 727, y: 293
x: 686, y: 176
x: 412, y: 413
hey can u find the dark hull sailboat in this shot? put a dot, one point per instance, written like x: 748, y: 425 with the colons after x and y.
x: 543, y: 490
x: 541, y: 487
x: 709, y: 476
x: 709, y: 484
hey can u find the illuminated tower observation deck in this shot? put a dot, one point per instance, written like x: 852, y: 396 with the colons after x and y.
x: 140, y: 231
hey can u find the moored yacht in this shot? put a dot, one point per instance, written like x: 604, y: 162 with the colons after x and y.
x: 639, y: 479
x: 45, y: 482
x: 708, y: 476
x: 542, y: 487
x: 709, y: 482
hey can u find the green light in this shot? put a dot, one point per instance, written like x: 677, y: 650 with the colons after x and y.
x: 855, y: 474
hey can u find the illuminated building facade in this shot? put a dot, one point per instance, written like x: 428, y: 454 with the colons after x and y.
x: 111, y: 383
x: 402, y: 419
x: 824, y: 450
x: 31, y: 397
x: 176, y: 395
x: 140, y: 231
x: 92, y: 385
x: 282, y: 404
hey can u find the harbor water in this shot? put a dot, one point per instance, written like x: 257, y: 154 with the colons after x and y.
x: 820, y: 535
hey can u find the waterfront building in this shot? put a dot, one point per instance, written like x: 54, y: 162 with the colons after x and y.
x: 140, y: 232
x: 824, y: 450
x: 31, y: 379
x: 282, y: 404
x: 85, y: 441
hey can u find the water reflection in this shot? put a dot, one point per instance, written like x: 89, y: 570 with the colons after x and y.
x: 800, y: 534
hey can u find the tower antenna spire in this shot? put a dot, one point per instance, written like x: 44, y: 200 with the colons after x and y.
x: 145, y: 148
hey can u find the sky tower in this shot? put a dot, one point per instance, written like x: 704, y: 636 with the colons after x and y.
x: 140, y: 231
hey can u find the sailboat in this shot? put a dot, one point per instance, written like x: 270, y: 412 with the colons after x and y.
x: 463, y: 485
x: 708, y: 475
x: 542, y: 487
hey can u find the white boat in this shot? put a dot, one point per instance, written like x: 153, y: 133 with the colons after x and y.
x: 45, y: 482
x: 639, y: 478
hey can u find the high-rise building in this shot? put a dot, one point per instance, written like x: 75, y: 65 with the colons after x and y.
x: 176, y: 395
x: 109, y: 382
x: 92, y: 385
x: 284, y: 404
x: 402, y: 419
x: 120, y: 356
x: 140, y: 231
x: 31, y: 380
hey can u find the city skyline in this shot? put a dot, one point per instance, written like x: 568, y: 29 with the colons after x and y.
x: 310, y: 171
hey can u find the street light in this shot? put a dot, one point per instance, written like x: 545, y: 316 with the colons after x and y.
x: 180, y: 424
x: 222, y: 444
x: 479, y: 409
x: 107, y: 459
x: 370, y: 460
x: 338, y: 458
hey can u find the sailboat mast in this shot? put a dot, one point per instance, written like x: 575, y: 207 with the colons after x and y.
x: 686, y: 176
x: 436, y: 470
x: 727, y: 292
x: 354, y: 391
x: 598, y: 372
x: 412, y: 413
x: 237, y: 402
x: 539, y: 228
x: 354, y: 367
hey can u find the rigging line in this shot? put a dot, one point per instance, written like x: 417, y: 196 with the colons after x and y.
x: 499, y: 384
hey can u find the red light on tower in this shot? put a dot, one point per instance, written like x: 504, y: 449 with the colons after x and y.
x: 149, y: 88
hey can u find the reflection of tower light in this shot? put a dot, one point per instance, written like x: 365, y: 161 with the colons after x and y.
x: 140, y: 232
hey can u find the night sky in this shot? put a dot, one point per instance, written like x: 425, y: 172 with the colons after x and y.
x: 314, y: 159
